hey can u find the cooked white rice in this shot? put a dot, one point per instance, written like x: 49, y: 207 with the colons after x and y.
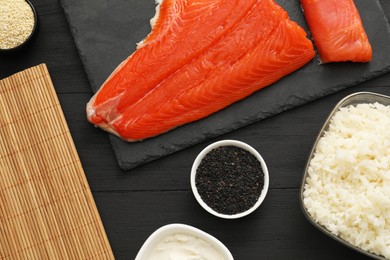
x: 348, y: 183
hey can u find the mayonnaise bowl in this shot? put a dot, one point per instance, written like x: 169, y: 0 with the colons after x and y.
x: 180, y: 241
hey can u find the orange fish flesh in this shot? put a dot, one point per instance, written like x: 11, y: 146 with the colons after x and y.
x: 337, y: 30
x: 201, y: 56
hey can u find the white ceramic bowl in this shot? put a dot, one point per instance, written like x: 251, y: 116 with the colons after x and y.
x: 240, y: 145
x: 171, y: 229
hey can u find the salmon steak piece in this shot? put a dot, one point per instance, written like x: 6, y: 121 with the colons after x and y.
x: 337, y: 30
x: 200, y: 57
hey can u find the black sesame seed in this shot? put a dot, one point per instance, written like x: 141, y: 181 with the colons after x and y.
x: 229, y: 179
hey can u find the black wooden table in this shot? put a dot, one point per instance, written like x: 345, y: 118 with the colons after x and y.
x: 133, y: 204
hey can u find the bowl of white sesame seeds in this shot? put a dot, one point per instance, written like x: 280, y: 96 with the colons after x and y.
x: 18, y: 22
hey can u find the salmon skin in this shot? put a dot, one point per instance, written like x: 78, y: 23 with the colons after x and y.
x: 337, y: 30
x: 201, y: 56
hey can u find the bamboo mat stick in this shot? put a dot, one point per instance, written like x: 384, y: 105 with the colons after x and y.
x: 46, y: 207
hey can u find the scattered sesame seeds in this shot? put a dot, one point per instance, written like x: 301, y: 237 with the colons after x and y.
x: 16, y: 22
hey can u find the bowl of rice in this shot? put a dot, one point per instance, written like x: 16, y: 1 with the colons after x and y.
x: 345, y: 189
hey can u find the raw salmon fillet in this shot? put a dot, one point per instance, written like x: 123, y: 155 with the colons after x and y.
x: 201, y: 56
x: 337, y: 30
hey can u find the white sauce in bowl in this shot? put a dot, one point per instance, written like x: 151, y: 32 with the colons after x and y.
x: 184, y: 247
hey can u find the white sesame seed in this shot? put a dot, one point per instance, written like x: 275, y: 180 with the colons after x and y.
x: 16, y: 22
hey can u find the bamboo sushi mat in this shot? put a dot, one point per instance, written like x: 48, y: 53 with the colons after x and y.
x: 46, y: 207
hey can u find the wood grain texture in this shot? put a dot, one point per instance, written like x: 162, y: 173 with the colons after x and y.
x: 277, y: 230
x: 133, y: 204
x: 46, y: 207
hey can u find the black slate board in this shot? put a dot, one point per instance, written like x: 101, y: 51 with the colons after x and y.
x: 106, y: 32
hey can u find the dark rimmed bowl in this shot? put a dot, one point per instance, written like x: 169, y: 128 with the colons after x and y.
x: 353, y: 99
x: 27, y: 40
